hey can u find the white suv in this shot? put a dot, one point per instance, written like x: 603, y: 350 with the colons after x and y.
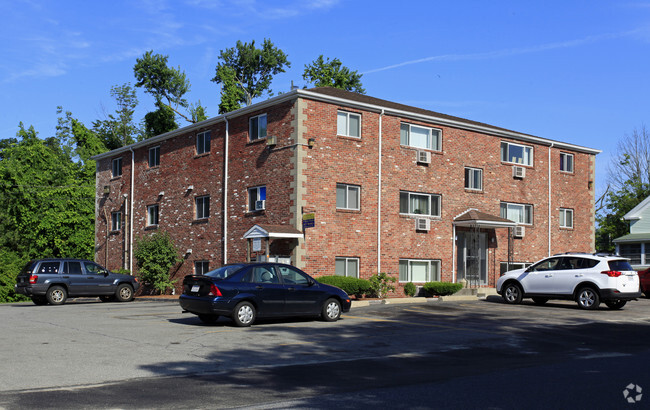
x: 586, y: 278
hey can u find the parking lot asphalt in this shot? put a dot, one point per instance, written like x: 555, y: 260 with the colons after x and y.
x: 86, y: 344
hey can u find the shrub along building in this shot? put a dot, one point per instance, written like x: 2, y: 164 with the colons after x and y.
x: 336, y: 182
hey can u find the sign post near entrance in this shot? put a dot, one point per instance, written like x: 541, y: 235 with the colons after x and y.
x: 308, y: 220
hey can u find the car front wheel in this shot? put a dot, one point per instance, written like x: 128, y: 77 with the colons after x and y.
x: 512, y: 293
x: 616, y: 304
x: 588, y: 298
x: 244, y: 314
x: 56, y: 295
x: 331, y: 310
x: 124, y: 293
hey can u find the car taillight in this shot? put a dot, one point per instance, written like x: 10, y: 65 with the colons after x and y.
x: 214, y: 290
x: 611, y: 273
x: 33, y: 279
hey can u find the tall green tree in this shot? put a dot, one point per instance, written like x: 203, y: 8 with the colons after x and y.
x: 332, y: 73
x: 120, y: 129
x: 160, y: 121
x: 245, y: 72
x: 168, y: 85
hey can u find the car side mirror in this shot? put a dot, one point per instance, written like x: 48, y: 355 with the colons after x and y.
x: 105, y: 273
x: 311, y: 282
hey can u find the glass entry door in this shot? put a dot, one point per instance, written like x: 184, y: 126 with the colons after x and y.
x: 472, y: 257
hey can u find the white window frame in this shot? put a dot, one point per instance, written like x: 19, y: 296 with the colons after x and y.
x: 505, y: 153
x: 347, y: 262
x: 116, y: 167
x: 470, y: 179
x: 432, y: 212
x: 567, y: 161
x: 153, y: 215
x: 202, y: 207
x: 201, y: 267
x: 564, y: 213
x: 256, y: 119
x: 346, y: 131
x: 203, y: 142
x: 348, y: 188
x: 409, y: 272
x: 156, y: 156
x: 434, y: 139
x: 256, y: 194
x: 512, y: 205
x: 116, y: 221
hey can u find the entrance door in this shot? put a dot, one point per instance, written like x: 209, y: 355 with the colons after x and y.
x: 472, y: 257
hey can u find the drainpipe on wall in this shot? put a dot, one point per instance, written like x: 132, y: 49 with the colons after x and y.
x: 225, y: 197
x: 131, y: 212
x: 549, y: 199
x: 381, y: 116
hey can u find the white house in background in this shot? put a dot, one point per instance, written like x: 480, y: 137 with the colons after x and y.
x: 636, y: 244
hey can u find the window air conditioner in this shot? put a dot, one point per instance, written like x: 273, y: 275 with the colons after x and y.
x: 518, y: 172
x: 519, y: 231
x: 423, y: 157
x: 422, y: 224
x: 259, y: 205
x: 271, y: 140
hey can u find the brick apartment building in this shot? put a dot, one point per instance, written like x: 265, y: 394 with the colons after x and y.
x: 337, y: 182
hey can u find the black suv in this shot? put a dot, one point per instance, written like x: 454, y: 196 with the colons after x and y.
x: 53, y: 280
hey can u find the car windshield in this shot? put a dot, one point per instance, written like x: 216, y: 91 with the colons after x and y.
x: 620, y: 265
x: 224, y: 271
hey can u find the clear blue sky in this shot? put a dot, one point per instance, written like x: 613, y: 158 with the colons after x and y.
x: 574, y: 71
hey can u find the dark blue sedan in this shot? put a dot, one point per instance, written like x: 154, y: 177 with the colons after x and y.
x: 246, y: 291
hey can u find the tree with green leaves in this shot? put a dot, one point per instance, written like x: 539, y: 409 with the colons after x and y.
x: 332, y: 73
x: 245, y: 72
x: 119, y: 129
x: 628, y: 185
x: 168, y: 85
x: 155, y: 255
x: 160, y: 121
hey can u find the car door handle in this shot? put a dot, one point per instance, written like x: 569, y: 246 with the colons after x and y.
x: 579, y: 275
x: 550, y: 275
x: 292, y: 288
x: 259, y: 287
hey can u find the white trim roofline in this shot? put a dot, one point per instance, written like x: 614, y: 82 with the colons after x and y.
x: 312, y: 95
x: 637, y: 212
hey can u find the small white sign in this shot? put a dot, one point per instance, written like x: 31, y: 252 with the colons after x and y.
x: 195, y: 288
x: 257, y: 244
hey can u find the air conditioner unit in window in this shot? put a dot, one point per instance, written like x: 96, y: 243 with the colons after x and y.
x: 259, y: 205
x: 422, y: 224
x: 271, y: 140
x: 423, y: 157
x: 518, y: 172
x: 519, y: 231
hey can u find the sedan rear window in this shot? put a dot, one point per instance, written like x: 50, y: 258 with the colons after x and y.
x: 224, y: 271
x: 619, y: 265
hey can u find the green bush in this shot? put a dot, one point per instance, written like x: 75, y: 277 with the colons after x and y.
x: 381, y: 284
x: 155, y: 256
x: 410, y: 289
x: 442, y: 288
x: 351, y: 286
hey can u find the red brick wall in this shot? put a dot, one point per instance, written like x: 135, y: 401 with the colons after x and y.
x: 336, y: 159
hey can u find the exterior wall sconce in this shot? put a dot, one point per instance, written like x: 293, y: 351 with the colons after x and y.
x: 161, y: 193
x: 311, y: 142
x: 191, y: 187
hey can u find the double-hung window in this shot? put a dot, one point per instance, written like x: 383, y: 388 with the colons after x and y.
x: 566, y: 162
x: 152, y: 215
x: 520, y: 213
x: 202, y: 142
x: 154, y: 157
x: 202, y: 207
x: 413, y: 203
x: 116, y: 221
x: 256, y: 198
x: 474, y: 179
x: 419, y: 271
x: 201, y: 267
x: 348, y: 196
x: 516, y: 154
x: 348, y: 124
x: 116, y: 167
x: 346, y: 267
x: 420, y: 137
x: 566, y: 218
x: 257, y: 127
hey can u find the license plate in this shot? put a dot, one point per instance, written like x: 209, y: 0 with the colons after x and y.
x: 195, y: 288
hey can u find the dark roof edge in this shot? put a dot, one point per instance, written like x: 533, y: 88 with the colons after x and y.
x: 378, y: 105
